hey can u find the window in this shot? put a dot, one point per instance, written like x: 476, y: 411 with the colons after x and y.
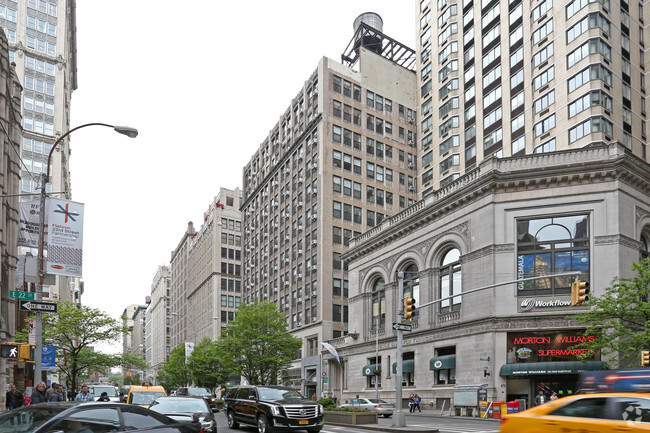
x: 543, y: 31
x: 594, y: 407
x: 544, y: 101
x: 595, y: 124
x: 552, y: 245
x: 544, y: 78
x: 542, y: 55
x: 545, y: 125
x: 491, y: 76
x: 542, y: 9
x: 450, y: 281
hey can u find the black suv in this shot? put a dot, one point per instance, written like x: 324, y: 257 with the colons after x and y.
x: 201, y: 392
x: 272, y: 408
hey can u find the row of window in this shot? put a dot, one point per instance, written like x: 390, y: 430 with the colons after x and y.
x: 353, y: 189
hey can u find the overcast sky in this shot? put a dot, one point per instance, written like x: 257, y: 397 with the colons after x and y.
x: 203, y: 81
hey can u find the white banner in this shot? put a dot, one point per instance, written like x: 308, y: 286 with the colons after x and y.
x: 189, y: 348
x: 65, y: 237
x: 32, y: 335
x: 28, y: 224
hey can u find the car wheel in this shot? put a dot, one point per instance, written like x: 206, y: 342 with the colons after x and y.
x: 231, y: 421
x: 263, y: 424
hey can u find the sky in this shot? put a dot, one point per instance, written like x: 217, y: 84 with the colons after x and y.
x: 203, y: 81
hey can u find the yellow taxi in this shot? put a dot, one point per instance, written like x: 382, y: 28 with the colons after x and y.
x: 145, y: 394
x: 584, y: 413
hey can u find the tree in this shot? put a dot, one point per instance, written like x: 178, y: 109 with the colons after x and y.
x: 175, y: 373
x: 620, y: 318
x: 256, y: 344
x: 204, y: 365
x: 75, y: 330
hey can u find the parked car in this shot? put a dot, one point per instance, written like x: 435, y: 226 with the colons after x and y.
x: 187, y: 409
x: 95, y: 416
x: 111, y: 391
x: 272, y: 408
x: 201, y: 392
x: 374, y: 404
x: 606, y: 412
x: 145, y: 394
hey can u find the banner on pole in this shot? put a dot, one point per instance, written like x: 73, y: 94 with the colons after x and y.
x: 48, y: 359
x: 32, y: 335
x: 189, y: 348
x: 28, y: 223
x: 65, y: 237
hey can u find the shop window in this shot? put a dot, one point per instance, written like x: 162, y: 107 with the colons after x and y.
x: 447, y: 374
x: 372, y: 377
x: 550, y: 246
x: 408, y: 377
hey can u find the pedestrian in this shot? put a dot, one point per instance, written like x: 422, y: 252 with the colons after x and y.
x: 411, y: 402
x: 334, y: 398
x: 14, y: 398
x: 49, y: 391
x: 416, y: 403
x: 554, y: 396
x: 84, y: 395
x: 57, y: 394
x: 313, y: 397
x: 104, y: 397
x: 540, y: 399
x: 38, y: 394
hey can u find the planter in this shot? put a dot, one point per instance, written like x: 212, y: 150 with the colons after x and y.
x: 343, y: 417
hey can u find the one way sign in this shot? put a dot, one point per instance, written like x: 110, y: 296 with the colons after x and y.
x: 47, y: 307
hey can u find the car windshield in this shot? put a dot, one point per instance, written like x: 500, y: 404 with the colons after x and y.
x: 178, y: 405
x: 27, y: 419
x: 279, y: 394
x: 109, y: 390
x: 145, y: 397
x: 198, y: 391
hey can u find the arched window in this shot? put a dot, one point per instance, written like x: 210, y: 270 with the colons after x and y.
x: 412, y: 283
x: 450, y: 281
x: 378, y: 304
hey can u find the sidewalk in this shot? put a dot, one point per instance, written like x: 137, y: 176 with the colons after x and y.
x: 425, y: 419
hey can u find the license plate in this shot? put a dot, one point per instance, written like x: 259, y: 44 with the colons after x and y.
x: 303, y: 421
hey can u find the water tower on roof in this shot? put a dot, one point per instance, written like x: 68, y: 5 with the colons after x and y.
x: 369, y: 41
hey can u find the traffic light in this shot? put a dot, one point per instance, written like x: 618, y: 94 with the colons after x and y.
x: 27, y: 352
x: 409, y: 307
x: 645, y: 358
x: 579, y: 291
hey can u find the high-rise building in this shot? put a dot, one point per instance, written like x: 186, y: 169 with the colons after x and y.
x: 178, y: 287
x: 341, y: 158
x: 516, y: 78
x: 157, y: 322
x: 42, y: 43
x: 214, y: 269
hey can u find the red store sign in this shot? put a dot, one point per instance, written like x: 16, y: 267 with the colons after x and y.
x: 540, y: 347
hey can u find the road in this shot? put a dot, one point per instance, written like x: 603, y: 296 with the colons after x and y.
x: 445, y: 425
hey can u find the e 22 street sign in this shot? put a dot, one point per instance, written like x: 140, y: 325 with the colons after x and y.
x: 17, y: 294
x: 47, y: 307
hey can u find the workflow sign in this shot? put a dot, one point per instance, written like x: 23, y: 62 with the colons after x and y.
x: 48, y: 307
x: 65, y: 237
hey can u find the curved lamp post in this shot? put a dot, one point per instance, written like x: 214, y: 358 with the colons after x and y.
x: 45, y: 178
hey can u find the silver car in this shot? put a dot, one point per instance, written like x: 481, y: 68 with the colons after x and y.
x: 374, y: 404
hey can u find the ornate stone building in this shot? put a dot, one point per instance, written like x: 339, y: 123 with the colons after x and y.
x: 584, y: 210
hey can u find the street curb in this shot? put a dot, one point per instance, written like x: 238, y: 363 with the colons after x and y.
x: 389, y: 429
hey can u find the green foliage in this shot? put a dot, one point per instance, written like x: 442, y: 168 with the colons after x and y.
x: 327, y: 403
x: 175, y: 372
x: 620, y: 318
x: 256, y: 345
x: 75, y: 330
x: 205, y: 367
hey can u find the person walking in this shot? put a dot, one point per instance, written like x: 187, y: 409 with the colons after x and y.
x: 14, y: 398
x: 104, y: 397
x: 411, y: 403
x: 38, y: 394
x: 84, y: 395
x: 57, y: 394
x: 416, y: 403
x: 540, y: 399
x: 554, y: 396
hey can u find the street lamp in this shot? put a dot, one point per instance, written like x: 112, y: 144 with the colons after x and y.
x: 191, y: 321
x: 45, y: 178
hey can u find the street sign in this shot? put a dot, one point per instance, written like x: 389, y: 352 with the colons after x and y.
x: 48, y: 307
x: 324, y: 374
x: 402, y: 327
x: 324, y: 379
x: 15, y: 294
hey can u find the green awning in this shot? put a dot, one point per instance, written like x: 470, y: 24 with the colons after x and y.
x: 542, y: 368
x: 407, y: 366
x: 369, y: 370
x: 442, y: 362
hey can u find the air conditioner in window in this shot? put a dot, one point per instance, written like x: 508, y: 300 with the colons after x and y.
x: 300, y: 300
x: 286, y: 307
x: 411, y: 165
x: 411, y: 188
x: 275, y: 290
x: 411, y: 142
x: 314, y: 242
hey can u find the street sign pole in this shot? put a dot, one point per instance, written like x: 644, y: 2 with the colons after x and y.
x: 399, y: 418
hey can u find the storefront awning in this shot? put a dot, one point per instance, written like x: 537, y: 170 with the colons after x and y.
x: 442, y: 362
x: 542, y: 368
x: 407, y: 366
x: 369, y: 370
